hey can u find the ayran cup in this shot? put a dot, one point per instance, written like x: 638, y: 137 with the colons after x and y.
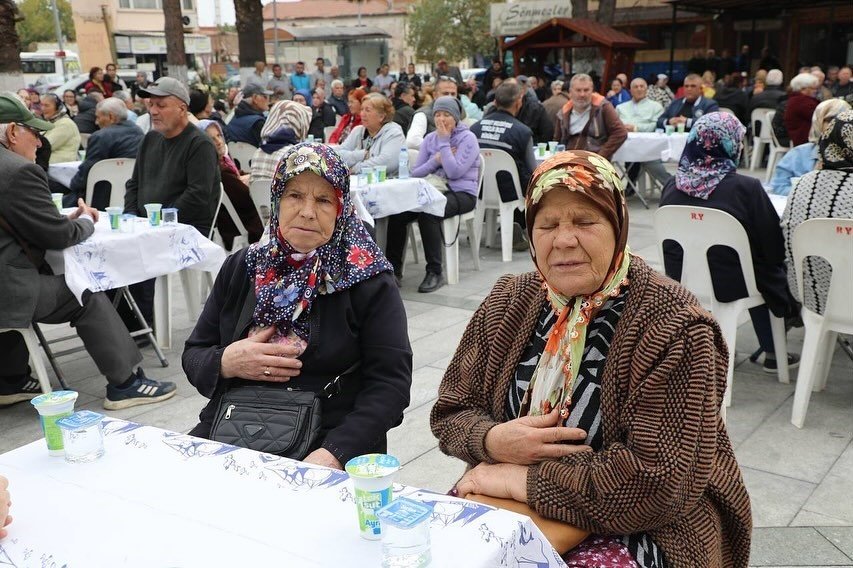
x: 541, y: 148
x: 669, y: 129
x: 170, y: 216
x: 57, y: 200
x: 114, y: 214
x: 381, y: 173
x: 373, y: 479
x: 680, y: 128
x: 153, y: 210
x: 52, y: 407
x: 552, y: 147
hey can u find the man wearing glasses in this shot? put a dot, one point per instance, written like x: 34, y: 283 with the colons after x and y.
x: 422, y: 122
x: 29, y: 291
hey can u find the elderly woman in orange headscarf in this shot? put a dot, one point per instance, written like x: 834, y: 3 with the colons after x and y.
x: 590, y: 389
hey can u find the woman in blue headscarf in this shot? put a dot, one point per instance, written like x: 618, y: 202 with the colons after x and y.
x: 707, y: 177
x: 315, y: 302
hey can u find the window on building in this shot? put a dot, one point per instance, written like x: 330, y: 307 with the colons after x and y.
x: 187, y: 5
x: 142, y: 4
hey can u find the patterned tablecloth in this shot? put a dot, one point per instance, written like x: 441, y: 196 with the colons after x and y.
x: 63, y: 172
x: 110, y: 259
x: 398, y: 195
x: 158, y: 498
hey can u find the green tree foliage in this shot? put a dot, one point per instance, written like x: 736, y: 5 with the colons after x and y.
x: 37, y: 24
x: 454, y: 29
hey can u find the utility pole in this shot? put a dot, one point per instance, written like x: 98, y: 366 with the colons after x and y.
x: 58, y: 35
x: 275, y: 30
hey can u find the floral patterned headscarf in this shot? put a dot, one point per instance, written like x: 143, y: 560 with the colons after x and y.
x: 712, y: 151
x: 836, y: 144
x: 595, y: 178
x: 287, y: 281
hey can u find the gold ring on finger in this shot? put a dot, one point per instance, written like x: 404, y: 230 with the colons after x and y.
x: 267, y: 372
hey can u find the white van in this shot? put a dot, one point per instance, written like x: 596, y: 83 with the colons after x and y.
x: 35, y: 64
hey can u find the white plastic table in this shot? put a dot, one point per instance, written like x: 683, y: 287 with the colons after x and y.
x: 109, y: 259
x: 158, y: 498
x: 63, y: 172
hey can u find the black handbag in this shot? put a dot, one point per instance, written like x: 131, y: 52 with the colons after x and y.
x: 271, y: 418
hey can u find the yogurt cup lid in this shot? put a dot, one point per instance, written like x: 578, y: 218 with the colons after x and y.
x: 372, y: 465
x: 79, y: 420
x: 404, y: 513
x: 54, y: 398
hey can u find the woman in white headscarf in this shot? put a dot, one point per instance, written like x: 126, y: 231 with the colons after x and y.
x: 286, y: 125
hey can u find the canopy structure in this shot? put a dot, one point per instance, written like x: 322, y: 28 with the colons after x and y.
x: 561, y: 34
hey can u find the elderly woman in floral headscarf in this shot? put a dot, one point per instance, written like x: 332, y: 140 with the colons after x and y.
x: 316, y: 302
x: 590, y: 389
x: 707, y: 177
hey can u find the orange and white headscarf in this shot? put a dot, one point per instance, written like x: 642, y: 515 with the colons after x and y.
x: 595, y: 178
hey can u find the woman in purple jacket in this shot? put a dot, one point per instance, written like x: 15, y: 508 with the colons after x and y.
x: 451, y: 153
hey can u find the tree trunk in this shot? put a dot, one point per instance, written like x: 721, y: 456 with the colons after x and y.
x: 250, y: 35
x: 580, y: 9
x: 11, y: 78
x: 176, y: 55
x: 606, y: 12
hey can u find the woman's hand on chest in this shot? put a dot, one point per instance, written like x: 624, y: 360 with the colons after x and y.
x: 255, y: 359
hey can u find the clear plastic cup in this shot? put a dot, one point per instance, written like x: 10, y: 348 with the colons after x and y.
x: 541, y: 148
x: 370, y: 176
x: 82, y: 436
x: 114, y: 214
x: 170, y: 216
x: 310, y: 138
x: 561, y: 148
x: 381, y: 173
x: 127, y: 223
x: 669, y: 129
x: 659, y: 130
x: 57, y: 200
x: 52, y: 407
x: 552, y: 147
x: 373, y: 479
x: 405, y: 533
x: 153, y: 211
x: 680, y: 128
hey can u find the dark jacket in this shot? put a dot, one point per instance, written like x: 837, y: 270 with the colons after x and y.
x: 502, y: 131
x: 25, y: 204
x: 533, y: 114
x: 491, y: 75
x: 246, y: 125
x: 121, y: 140
x: 768, y: 98
x: 365, y: 324
x: 743, y: 198
x: 340, y: 105
x: 85, y: 118
x: 320, y: 119
x: 403, y: 114
x: 734, y: 99
x: 700, y: 106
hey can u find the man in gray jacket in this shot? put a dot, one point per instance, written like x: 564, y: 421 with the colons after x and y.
x: 29, y: 291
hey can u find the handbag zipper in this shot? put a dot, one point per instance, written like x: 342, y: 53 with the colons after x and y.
x: 228, y: 411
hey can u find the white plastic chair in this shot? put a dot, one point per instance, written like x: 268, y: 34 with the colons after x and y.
x: 495, y: 161
x: 116, y: 172
x: 242, y: 153
x: 776, y: 150
x: 832, y: 240
x: 697, y: 229
x: 36, y: 360
x: 759, y: 116
x: 327, y: 131
x: 451, y: 234
x: 259, y: 191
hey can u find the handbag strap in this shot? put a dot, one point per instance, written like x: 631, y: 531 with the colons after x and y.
x: 27, y: 250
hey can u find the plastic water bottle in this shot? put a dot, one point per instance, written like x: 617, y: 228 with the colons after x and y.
x: 403, y: 169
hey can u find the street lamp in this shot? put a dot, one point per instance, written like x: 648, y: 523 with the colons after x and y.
x: 58, y: 28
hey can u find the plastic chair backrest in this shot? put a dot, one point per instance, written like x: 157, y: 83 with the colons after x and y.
x: 832, y: 240
x: 259, y: 190
x: 495, y: 161
x: 116, y: 172
x: 697, y: 229
x: 242, y: 153
x: 84, y: 139
x: 213, y: 233
x: 327, y: 131
x: 759, y: 116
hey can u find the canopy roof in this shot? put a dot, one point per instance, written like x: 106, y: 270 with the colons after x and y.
x: 553, y: 32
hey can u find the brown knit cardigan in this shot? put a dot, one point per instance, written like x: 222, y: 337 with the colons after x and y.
x: 667, y: 466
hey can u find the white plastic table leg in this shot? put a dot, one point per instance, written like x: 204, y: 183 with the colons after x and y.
x: 163, y: 311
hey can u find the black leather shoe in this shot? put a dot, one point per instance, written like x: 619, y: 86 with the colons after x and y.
x: 431, y: 283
